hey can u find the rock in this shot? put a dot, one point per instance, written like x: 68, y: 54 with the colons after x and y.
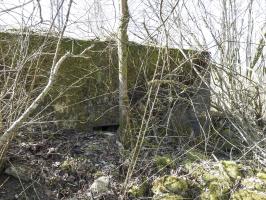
x: 21, y: 172
x: 99, y: 186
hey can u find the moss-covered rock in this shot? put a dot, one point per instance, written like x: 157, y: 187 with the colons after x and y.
x: 216, y: 190
x: 262, y: 176
x: 232, y: 169
x: 210, y: 195
x: 168, y: 197
x: 254, y: 183
x: 138, y: 190
x: 170, y: 184
x: 208, y: 180
x: 252, y: 187
x: 215, y: 178
x: 245, y: 194
x: 221, y: 171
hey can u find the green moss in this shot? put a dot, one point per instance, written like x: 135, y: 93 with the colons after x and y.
x: 254, y: 187
x: 248, y: 195
x: 262, y: 176
x: 196, y: 170
x: 138, y: 190
x: 214, y: 179
x: 68, y: 165
x: 73, y: 164
x: 219, y: 189
x: 168, y: 197
x: 254, y: 183
x: 232, y: 169
x: 208, y: 195
x: 135, y: 191
x: 175, y: 185
x: 170, y: 184
x: 164, y: 161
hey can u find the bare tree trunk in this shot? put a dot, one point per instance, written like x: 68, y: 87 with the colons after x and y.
x: 124, y: 131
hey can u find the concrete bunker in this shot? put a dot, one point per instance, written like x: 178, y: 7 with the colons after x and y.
x: 85, y: 95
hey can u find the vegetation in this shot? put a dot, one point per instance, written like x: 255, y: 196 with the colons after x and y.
x: 168, y: 104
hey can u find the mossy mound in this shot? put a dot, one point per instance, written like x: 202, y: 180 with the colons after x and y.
x: 139, y: 190
x: 232, y: 169
x: 169, y: 185
x: 168, y: 197
x: 209, y: 180
x: 215, y: 179
x: 254, y: 183
x: 244, y: 194
x: 262, y: 176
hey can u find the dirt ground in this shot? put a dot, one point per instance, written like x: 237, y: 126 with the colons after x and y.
x: 63, y: 164
x: 59, y: 165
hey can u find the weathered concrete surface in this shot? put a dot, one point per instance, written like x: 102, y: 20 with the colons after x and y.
x: 86, y: 92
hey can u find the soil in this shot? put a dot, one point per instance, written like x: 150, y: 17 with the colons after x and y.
x: 62, y: 164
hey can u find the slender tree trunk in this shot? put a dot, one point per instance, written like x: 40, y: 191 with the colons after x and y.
x: 124, y: 131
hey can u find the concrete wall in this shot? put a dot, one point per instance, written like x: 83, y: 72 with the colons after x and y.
x: 86, y: 92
